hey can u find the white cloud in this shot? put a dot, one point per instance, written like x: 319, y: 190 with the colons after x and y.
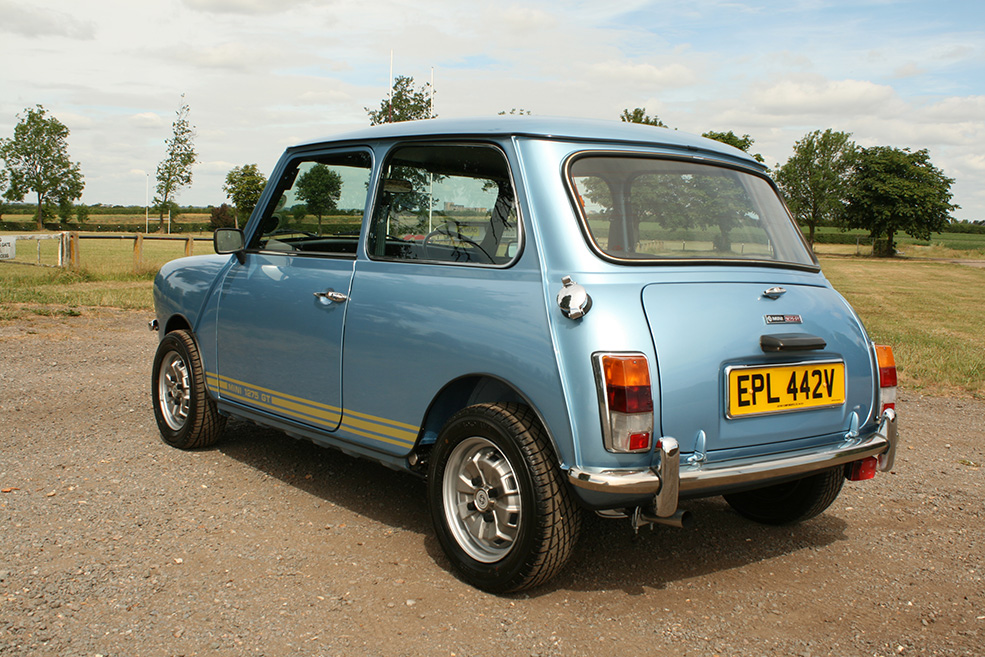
x: 527, y: 19
x: 818, y: 96
x: 249, y: 7
x: 146, y: 120
x: 30, y: 20
x: 246, y: 58
x: 672, y: 75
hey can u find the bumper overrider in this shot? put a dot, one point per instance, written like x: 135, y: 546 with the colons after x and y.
x: 668, y: 480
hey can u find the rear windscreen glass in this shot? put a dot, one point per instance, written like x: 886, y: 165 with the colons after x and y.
x: 641, y: 208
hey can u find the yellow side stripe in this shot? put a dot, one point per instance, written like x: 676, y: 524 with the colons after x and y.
x: 302, y: 400
x: 297, y: 416
x: 306, y: 410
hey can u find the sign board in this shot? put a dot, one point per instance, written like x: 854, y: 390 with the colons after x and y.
x: 8, y: 248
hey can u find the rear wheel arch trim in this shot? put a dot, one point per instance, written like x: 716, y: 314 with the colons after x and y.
x: 469, y: 390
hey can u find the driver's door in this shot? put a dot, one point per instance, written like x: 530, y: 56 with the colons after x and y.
x: 282, y: 309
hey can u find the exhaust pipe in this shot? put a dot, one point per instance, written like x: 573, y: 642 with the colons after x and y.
x: 680, y: 519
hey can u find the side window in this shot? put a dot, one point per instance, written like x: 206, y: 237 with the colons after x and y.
x: 318, y: 206
x: 446, y: 203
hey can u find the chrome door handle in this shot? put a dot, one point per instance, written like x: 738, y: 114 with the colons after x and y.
x: 332, y: 295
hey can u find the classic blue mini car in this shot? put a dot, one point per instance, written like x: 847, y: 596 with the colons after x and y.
x: 539, y: 316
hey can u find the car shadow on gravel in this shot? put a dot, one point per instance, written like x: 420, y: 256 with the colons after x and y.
x: 609, y: 555
x: 396, y: 499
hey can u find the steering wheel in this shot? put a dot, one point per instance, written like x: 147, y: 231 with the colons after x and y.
x: 450, y: 229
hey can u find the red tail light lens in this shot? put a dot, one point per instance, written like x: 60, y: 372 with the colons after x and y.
x: 625, y: 401
x: 862, y: 470
x: 887, y: 376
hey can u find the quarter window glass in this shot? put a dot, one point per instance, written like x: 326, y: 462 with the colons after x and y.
x: 446, y: 203
x: 318, y: 207
x: 645, y: 208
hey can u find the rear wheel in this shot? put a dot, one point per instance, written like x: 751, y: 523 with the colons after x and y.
x: 186, y: 415
x: 792, y: 501
x: 500, y: 507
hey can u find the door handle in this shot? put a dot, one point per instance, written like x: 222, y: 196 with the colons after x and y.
x: 332, y: 295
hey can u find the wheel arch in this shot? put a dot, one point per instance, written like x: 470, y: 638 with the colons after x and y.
x: 467, y: 391
x: 178, y: 322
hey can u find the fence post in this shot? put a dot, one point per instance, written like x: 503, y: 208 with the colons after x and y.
x: 189, y: 245
x: 138, y: 251
x: 73, y: 250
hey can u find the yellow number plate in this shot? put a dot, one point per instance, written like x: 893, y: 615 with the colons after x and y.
x: 785, y: 388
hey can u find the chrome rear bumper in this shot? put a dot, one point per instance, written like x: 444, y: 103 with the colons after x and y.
x: 668, y: 480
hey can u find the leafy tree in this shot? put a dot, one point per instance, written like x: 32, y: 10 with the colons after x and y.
x: 3, y: 188
x: 37, y: 161
x: 299, y: 211
x: 243, y: 187
x: 639, y: 115
x: 221, y: 217
x: 815, y: 178
x: 81, y: 213
x: 320, y: 188
x: 892, y: 190
x: 405, y: 103
x: 175, y: 171
x: 65, y: 210
x: 743, y: 143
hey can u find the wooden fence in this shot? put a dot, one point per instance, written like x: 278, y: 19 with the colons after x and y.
x: 69, y: 253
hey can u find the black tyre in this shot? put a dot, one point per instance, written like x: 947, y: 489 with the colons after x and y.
x: 186, y: 415
x: 500, y: 506
x: 793, y: 501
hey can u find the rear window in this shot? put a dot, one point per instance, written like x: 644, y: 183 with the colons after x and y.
x: 638, y: 208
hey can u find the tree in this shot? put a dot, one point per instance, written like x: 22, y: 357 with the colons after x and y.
x: 639, y: 115
x: 37, y: 161
x: 815, y: 178
x: 743, y: 143
x: 320, y: 188
x: 892, y: 190
x: 243, y: 187
x: 3, y: 189
x: 405, y: 103
x: 515, y: 112
x: 175, y: 171
x: 221, y: 217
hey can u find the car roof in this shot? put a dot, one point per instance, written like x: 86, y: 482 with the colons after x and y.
x: 542, y: 127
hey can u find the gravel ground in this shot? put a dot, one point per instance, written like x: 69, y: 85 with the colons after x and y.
x: 115, y: 544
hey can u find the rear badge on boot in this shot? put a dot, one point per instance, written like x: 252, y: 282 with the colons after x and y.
x: 783, y: 319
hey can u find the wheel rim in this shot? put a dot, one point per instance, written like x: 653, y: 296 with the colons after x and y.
x: 481, y: 499
x: 173, y: 390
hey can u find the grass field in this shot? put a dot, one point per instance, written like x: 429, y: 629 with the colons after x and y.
x: 932, y: 313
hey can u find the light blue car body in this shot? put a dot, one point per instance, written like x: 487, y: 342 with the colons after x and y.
x: 413, y: 342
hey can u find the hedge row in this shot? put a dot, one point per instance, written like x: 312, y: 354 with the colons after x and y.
x: 196, y: 227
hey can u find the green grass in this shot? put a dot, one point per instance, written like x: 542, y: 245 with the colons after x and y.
x: 67, y: 292
x: 931, y: 313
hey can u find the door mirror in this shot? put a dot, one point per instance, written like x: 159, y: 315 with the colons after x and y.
x: 228, y: 240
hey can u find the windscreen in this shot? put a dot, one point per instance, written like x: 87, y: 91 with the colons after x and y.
x: 639, y: 208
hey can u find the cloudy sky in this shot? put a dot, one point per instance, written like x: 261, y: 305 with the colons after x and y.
x: 262, y: 74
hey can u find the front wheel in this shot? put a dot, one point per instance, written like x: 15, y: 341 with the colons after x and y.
x: 186, y: 415
x: 501, y: 509
x: 792, y: 501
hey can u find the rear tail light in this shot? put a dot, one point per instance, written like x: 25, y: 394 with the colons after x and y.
x: 887, y: 377
x: 625, y: 402
x: 862, y: 470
